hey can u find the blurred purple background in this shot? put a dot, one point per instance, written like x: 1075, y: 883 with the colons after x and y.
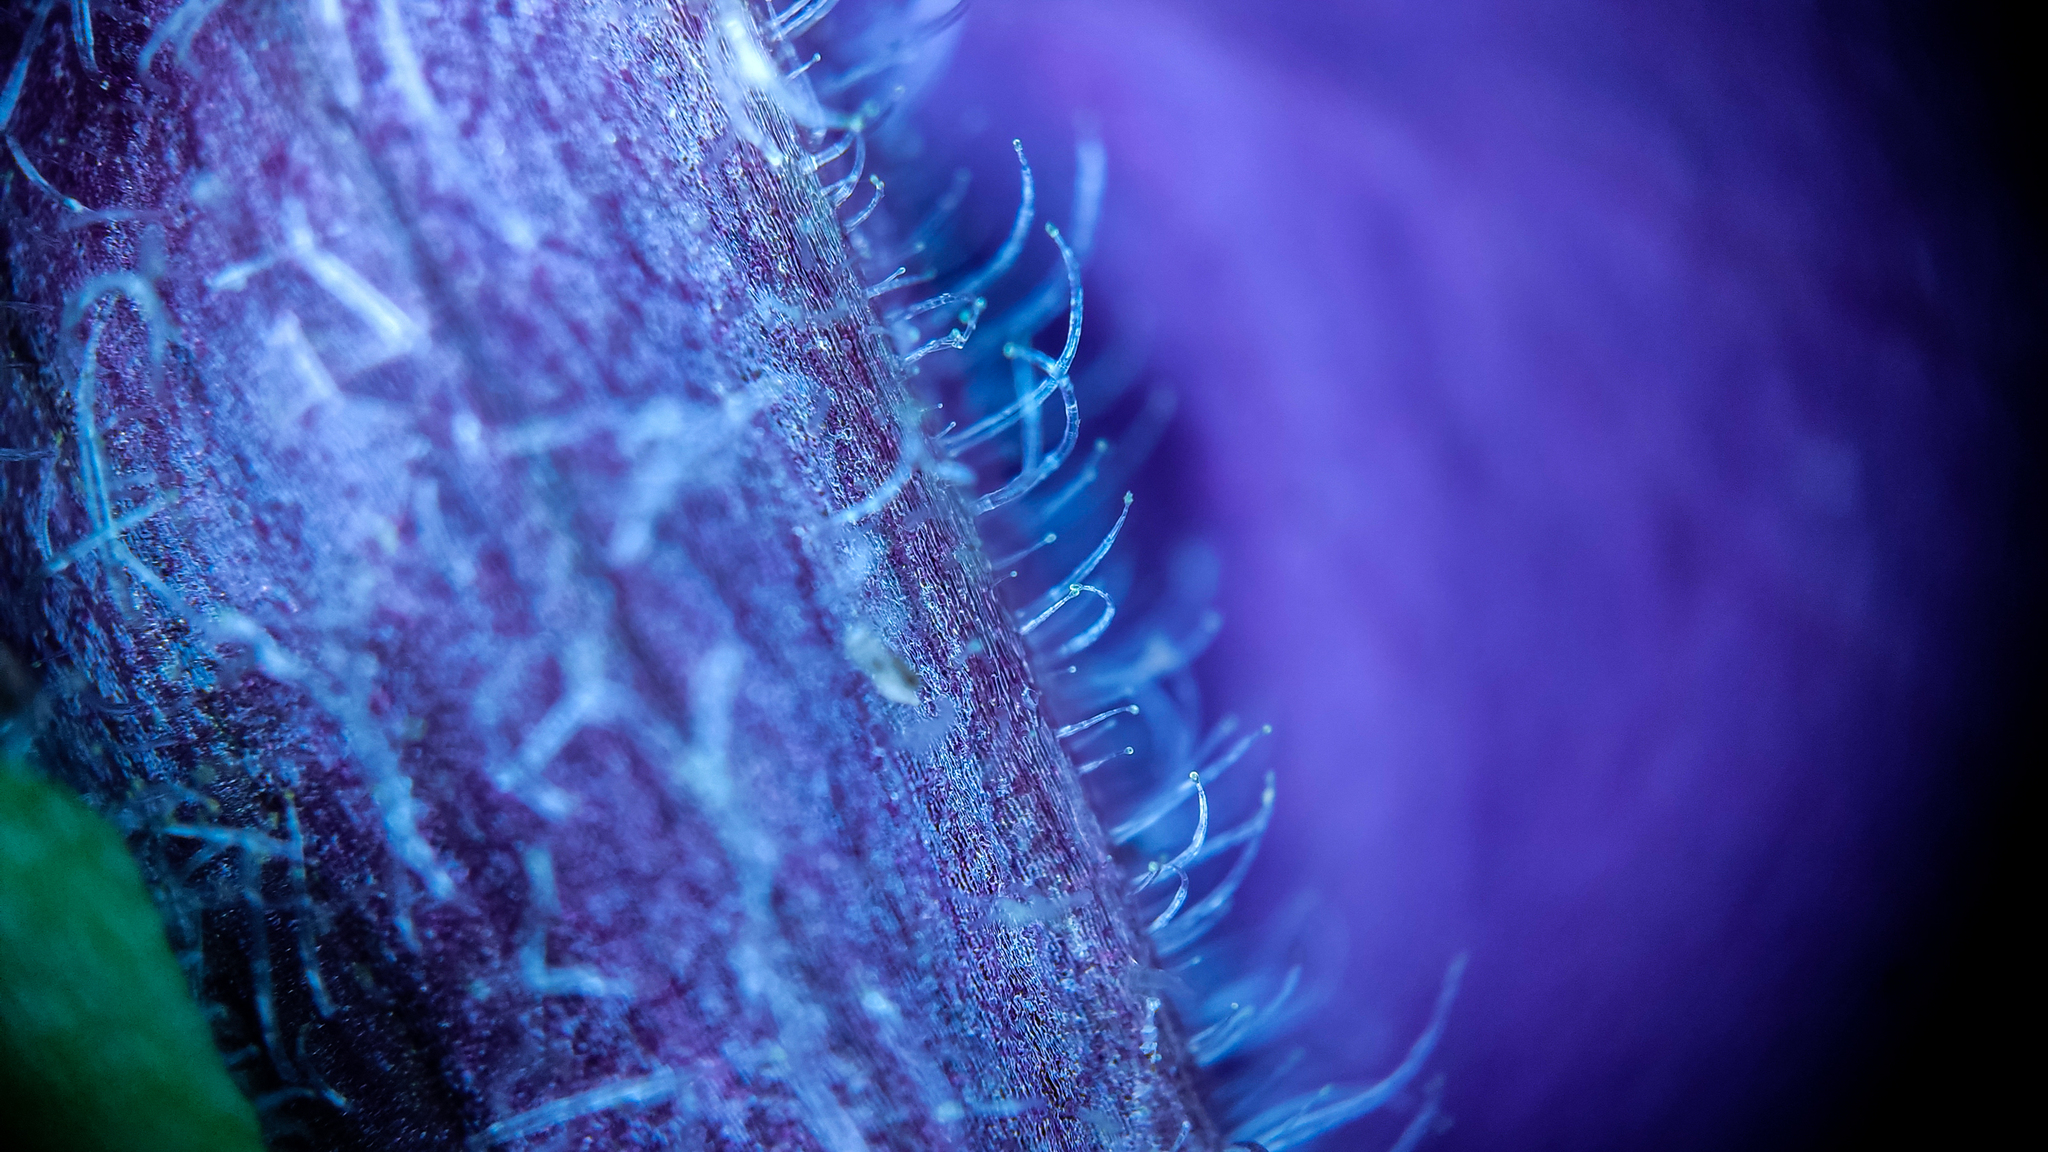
x: 1597, y: 413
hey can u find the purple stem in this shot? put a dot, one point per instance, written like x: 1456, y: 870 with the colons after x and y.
x: 433, y: 426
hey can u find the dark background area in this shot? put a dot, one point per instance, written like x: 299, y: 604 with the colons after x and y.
x: 1935, y: 1059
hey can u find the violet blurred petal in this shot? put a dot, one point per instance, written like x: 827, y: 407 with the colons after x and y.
x: 1575, y: 402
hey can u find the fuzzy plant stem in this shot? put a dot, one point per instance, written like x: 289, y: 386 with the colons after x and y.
x: 475, y: 541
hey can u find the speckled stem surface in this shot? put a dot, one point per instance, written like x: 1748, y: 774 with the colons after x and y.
x: 439, y: 453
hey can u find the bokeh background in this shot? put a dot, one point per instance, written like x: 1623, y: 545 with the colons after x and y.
x: 1610, y: 427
